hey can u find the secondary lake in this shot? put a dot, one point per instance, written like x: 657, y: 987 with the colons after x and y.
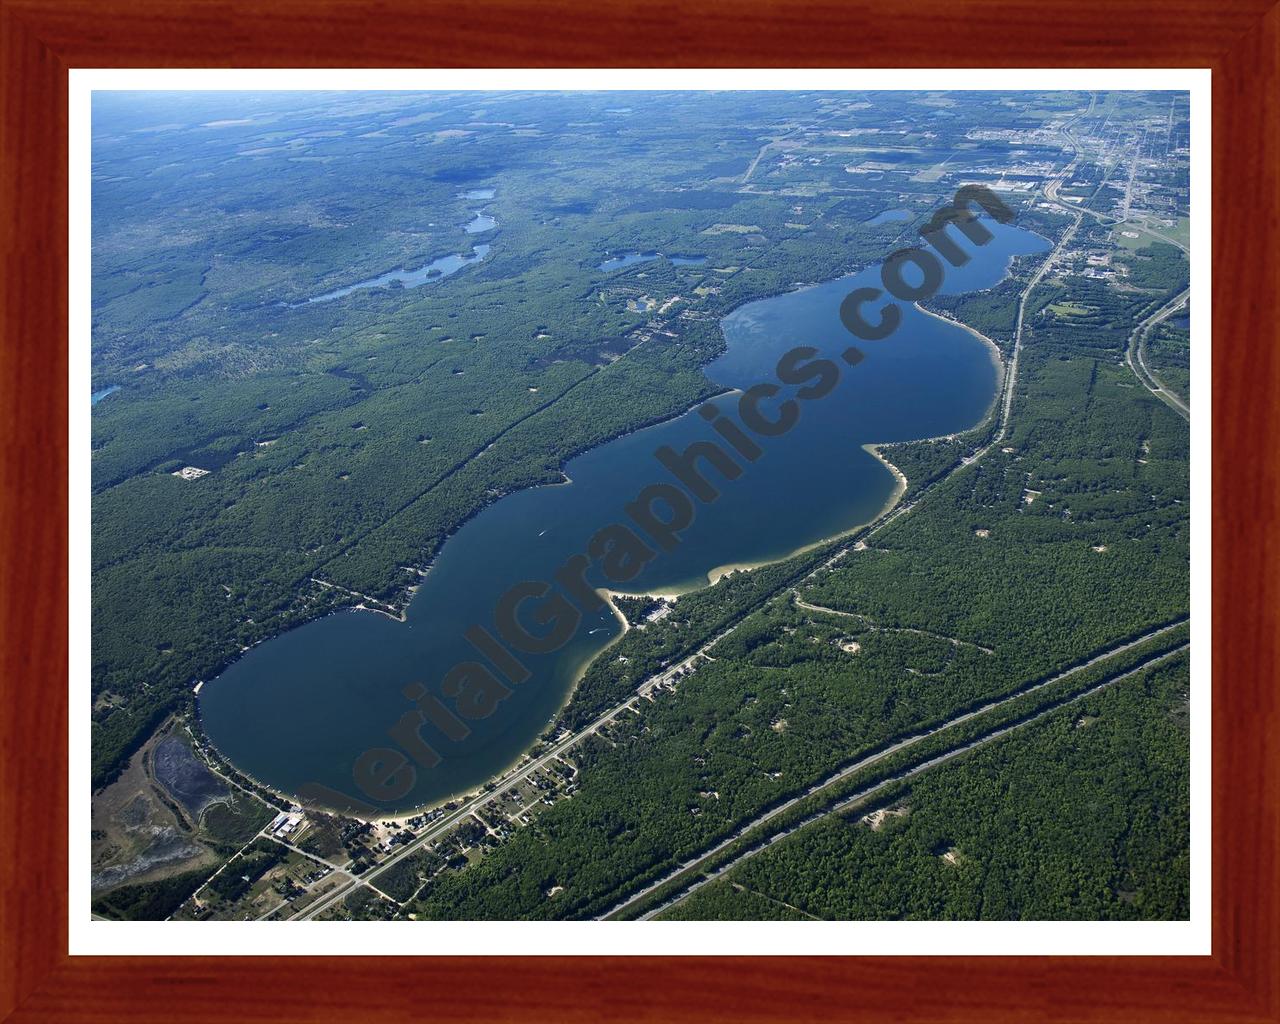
x: 436, y: 270
x: 301, y: 708
x: 480, y: 221
x: 889, y: 216
x: 630, y: 259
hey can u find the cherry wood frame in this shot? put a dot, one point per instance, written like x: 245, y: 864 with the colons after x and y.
x: 41, y: 39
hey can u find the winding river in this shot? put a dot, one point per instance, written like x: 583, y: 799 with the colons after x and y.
x: 299, y: 709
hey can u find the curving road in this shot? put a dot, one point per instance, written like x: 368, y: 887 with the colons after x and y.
x: 1136, y: 361
x: 442, y: 826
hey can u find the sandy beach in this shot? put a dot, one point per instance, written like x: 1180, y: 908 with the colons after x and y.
x: 402, y: 817
x: 993, y: 350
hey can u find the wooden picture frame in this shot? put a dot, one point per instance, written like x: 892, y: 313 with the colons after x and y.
x: 42, y: 39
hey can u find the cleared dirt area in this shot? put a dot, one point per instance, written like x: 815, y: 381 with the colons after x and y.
x: 140, y: 832
x: 876, y: 819
x: 166, y: 815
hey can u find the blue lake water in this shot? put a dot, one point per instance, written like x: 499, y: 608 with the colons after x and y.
x: 436, y: 270
x: 98, y: 396
x: 886, y: 216
x: 302, y: 707
x: 632, y: 258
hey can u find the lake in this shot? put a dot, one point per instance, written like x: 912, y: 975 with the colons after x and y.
x: 436, y: 270
x: 300, y: 708
x: 887, y: 216
x: 631, y: 258
x: 98, y: 396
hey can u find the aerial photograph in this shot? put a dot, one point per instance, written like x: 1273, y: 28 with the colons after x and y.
x: 640, y: 505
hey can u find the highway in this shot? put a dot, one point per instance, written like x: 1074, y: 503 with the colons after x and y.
x: 1134, y: 359
x: 1012, y: 376
x: 444, y: 824
x: 1133, y: 354
x: 1006, y: 413
x: 871, y: 791
x: 866, y: 762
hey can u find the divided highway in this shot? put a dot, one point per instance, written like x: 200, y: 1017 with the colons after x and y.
x: 444, y: 824
x: 871, y: 791
x: 903, y: 744
x: 1136, y: 362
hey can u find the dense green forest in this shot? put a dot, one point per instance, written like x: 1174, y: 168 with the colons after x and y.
x: 1071, y: 537
x: 1168, y: 352
x: 149, y: 901
x: 346, y: 440
x: 1099, y: 554
x: 1082, y: 815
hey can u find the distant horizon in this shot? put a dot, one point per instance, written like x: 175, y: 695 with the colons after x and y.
x: 342, y: 346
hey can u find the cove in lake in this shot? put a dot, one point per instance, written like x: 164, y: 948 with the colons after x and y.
x: 300, y: 708
x: 632, y: 258
x: 480, y: 222
x: 98, y: 396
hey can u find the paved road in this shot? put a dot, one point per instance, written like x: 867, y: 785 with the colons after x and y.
x: 439, y: 828
x: 1133, y: 354
x: 1006, y: 404
x: 443, y: 824
x: 1050, y: 191
x: 1136, y: 361
x: 1012, y: 377
x: 903, y: 744
x: 870, y: 791
x: 1006, y: 413
x: 1133, y: 174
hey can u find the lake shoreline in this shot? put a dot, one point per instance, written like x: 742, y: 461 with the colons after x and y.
x: 993, y: 350
x: 401, y: 818
x: 403, y: 600
x: 714, y: 576
x: 515, y: 767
